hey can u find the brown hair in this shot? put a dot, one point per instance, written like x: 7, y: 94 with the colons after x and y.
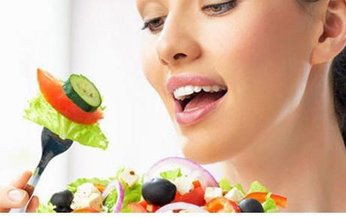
x: 338, y: 71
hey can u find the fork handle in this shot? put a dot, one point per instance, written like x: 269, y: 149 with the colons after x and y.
x: 34, y: 179
x: 29, y: 187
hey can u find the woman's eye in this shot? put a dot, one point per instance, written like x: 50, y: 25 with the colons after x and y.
x: 154, y: 25
x: 220, y: 8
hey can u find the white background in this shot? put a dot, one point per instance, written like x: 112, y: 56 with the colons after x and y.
x: 100, y: 39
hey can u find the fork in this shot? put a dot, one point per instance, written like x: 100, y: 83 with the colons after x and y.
x: 52, y: 145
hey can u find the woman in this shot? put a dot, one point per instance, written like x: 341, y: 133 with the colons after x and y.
x: 252, y: 84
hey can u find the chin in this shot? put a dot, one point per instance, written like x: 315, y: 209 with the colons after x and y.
x: 207, y: 147
x: 204, y: 152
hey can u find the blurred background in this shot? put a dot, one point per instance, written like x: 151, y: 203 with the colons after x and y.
x: 102, y: 40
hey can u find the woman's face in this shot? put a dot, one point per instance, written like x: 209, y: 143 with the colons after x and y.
x: 253, y: 54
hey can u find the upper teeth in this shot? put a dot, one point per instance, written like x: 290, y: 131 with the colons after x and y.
x: 186, y: 91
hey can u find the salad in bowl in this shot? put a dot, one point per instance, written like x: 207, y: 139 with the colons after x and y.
x: 173, y: 184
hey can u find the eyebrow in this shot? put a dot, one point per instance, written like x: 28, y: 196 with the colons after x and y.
x: 142, y: 3
x: 139, y: 5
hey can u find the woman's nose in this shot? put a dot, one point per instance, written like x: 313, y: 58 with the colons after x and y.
x: 177, y: 44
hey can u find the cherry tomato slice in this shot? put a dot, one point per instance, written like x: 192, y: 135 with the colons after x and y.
x: 152, y: 208
x: 196, y: 197
x: 137, y: 208
x: 197, y: 184
x: 222, y: 204
x: 53, y: 92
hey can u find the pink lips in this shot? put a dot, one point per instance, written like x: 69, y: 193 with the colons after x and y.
x: 190, y: 117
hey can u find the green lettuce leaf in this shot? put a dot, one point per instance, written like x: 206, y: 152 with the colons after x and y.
x: 269, y: 205
x: 110, y: 201
x: 49, y: 208
x: 239, y: 187
x: 42, y: 113
x: 171, y: 174
x: 74, y: 185
x: 132, y: 194
x: 118, y: 173
x: 126, y: 209
x: 257, y: 187
x: 225, y: 185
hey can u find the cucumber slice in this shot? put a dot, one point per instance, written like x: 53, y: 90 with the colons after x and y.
x: 83, y: 92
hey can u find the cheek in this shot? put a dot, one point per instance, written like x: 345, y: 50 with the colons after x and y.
x: 155, y: 72
x: 150, y: 64
x: 263, y: 57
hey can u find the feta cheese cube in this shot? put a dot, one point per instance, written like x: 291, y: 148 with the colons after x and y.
x: 211, y: 193
x: 129, y: 177
x: 234, y: 195
x: 184, y: 184
x: 87, y: 195
x: 95, y: 201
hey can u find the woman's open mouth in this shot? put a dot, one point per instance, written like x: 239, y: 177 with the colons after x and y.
x: 195, y: 98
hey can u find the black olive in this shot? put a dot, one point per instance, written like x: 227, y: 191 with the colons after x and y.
x: 62, y: 201
x: 159, y: 191
x: 251, y: 206
x: 63, y: 209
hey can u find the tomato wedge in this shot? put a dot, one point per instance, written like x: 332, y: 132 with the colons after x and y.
x: 280, y: 201
x: 196, y: 184
x: 222, y: 204
x: 143, y: 203
x: 152, y: 208
x: 148, y: 208
x: 195, y: 196
x: 137, y: 208
x: 53, y: 92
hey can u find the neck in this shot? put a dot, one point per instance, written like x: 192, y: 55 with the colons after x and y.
x: 303, y: 157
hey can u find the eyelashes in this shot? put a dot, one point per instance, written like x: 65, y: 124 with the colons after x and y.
x: 219, y: 9
x: 156, y: 24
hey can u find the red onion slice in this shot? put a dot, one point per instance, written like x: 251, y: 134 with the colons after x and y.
x: 181, y: 206
x: 120, y: 191
x: 196, y: 170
